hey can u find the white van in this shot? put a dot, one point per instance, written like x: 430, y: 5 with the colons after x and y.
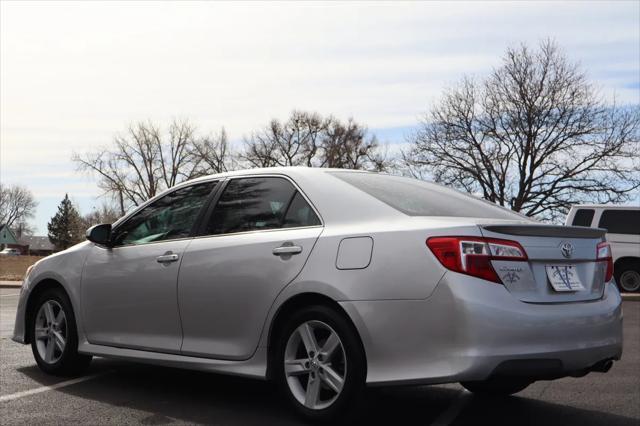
x: 623, y: 234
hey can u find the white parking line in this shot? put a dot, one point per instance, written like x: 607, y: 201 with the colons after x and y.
x: 12, y: 294
x: 18, y: 395
x: 457, y: 405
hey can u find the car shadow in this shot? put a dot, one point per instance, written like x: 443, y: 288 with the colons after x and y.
x: 169, y: 395
x: 515, y: 410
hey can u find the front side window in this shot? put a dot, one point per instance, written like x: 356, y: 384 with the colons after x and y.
x: 254, y: 204
x: 621, y: 221
x: 169, y: 218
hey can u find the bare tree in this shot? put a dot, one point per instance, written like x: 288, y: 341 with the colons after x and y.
x: 23, y: 229
x: 307, y: 139
x: 291, y: 143
x: 348, y: 146
x: 105, y: 213
x: 534, y: 136
x: 17, y: 206
x: 212, y: 154
x: 144, y: 161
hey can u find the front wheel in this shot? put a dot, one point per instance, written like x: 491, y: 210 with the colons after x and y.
x: 320, y: 364
x: 54, y: 338
x: 497, y: 386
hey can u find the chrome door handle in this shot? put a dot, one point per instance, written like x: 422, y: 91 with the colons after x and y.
x: 286, y: 250
x: 167, y: 258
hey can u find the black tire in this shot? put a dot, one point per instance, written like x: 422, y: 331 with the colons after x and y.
x: 497, y: 386
x: 349, y: 399
x: 627, y: 275
x: 70, y: 362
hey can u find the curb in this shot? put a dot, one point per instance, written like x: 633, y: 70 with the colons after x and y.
x: 10, y: 284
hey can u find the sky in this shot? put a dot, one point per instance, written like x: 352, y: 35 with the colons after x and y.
x: 74, y: 75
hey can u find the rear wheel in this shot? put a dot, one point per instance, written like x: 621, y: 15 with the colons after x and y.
x: 497, y: 386
x: 53, y: 335
x: 319, y: 363
x: 628, y: 277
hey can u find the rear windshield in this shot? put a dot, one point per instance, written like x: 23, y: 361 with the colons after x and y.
x: 621, y: 221
x: 419, y: 198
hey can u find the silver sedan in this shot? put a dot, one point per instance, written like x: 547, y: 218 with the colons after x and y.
x: 326, y: 281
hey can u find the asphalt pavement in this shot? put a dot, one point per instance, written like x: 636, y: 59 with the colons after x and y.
x: 118, y: 393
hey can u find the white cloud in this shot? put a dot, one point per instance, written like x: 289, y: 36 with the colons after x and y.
x: 73, y: 74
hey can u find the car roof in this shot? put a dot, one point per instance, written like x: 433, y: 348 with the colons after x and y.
x: 297, y: 170
x: 335, y: 200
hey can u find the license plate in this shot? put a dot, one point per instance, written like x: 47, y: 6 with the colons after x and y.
x: 564, y: 277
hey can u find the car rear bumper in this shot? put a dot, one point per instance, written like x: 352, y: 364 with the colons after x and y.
x: 470, y: 329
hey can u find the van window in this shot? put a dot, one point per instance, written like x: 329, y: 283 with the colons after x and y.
x: 621, y: 221
x: 583, y: 217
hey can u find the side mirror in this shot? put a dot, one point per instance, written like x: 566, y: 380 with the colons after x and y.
x: 100, y: 234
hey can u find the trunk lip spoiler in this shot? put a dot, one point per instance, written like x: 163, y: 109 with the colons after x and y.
x: 546, y: 230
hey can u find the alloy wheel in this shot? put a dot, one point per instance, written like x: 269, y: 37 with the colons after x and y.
x: 315, y: 365
x: 51, y: 331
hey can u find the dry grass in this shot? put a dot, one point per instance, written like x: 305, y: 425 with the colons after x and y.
x: 12, y: 268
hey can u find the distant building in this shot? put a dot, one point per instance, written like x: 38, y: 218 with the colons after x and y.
x: 7, y: 238
x: 35, y: 246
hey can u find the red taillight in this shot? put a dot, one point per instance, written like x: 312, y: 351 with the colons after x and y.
x: 603, y: 254
x: 473, y: 256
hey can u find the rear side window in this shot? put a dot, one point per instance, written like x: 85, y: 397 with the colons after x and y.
x: 253, y: 204
x: 419, y: 198
x: 621, y: 221
x: 300, y: 213
x: 583, y: 217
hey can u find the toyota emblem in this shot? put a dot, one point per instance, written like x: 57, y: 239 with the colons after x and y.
x: 567, y: 250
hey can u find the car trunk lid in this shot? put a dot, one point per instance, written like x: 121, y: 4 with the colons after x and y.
x: 560, y: 255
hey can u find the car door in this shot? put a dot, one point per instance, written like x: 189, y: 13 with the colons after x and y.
x: 129, y: 289
x: 252, y: 245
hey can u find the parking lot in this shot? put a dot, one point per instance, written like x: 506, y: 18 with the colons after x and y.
x: 115, y: 392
